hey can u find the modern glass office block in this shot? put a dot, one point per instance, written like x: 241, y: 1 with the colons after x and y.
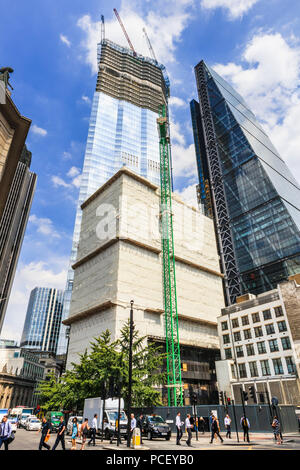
x: 43, y: 320
x: 255, y: 199
x: 122, y: 131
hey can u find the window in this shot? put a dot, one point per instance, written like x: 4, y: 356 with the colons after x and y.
x: 224, y: 325
x: 290, y: 365
x: 278, y: 311
x: 237, y: 336
x: 233, y: 371
x: 278, y: 369
x: 258, y: 331
x: 282, y: 326
x: 228, y: 353
x: 235, y: 323
x: 239, y: 351
x: 270, y: 330
x: 265, y: 367
x: 226, y: 339
x: 253, y: 369
x: 286, y: 344
x: 261, y: 347
x: 255, y: 317
x: 245, y: 320
x: 242, y: 371
x: 273, y: 345
x: 250, y: 350
x: 247, y: 334
x: 267, y: 314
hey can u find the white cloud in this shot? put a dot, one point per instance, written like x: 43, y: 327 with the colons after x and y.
x: 38, y: 130
x: 235, y: 8
x: 184, y: 161
x: 176, y: 101
x: 29, y: 276
x: 74, y: 171
x: 164, y: 24
x: 44, y: 226
x: 86, y: 99
x: 65, y: 40
x: 58, y: 181
x: 67, y: 156
x: 189, y: 195
x: 268, y: 80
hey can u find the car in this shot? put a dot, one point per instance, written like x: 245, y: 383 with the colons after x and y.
x: 70, y: 423
x: 33, y: 424
x: 23, y: 418
x: 155, y: 426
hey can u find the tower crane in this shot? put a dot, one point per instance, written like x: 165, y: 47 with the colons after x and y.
x: 102, y: 29
x: 150, y: 45
x: 124, y: 31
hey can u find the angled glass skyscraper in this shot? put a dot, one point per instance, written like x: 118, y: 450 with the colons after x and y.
x: 43, y: 319
x: 123, y: 130
x: 246, y: 187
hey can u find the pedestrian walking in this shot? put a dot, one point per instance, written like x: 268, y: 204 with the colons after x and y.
x: 215, y: 430
x: 94, y: 428
x: 277, y: 430
x: 188, y: 428
x: 5, y: 433
x: 201, y: 423
x: 84, y: 431
x: 45, y: 430
x: 179, y: 424
x: 132, y: 425
x: 227, y: 423
x: 139, y: 425
x: 60, y: 438
x: 75, y: 432
x: 246, y: 426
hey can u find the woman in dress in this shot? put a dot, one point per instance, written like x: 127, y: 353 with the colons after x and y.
x: 75, y: 432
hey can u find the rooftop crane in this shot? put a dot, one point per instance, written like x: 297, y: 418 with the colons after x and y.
x: 175, y: 391
x: 102, y: 29
x: 150, y: 45
x: 124, y: 31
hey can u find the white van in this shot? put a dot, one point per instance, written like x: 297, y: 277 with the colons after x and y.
x: 94, y: 406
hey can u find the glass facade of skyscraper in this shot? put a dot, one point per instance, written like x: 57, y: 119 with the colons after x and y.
x: 122, y: 131
x: 262, y: 198
x: 43, y: 320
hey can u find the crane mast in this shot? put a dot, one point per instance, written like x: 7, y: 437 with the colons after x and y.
x: 150, y: 45
x: 124, y: 31
x: 175, y: 392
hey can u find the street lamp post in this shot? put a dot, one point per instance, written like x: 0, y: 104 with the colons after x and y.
x: 131, y: 326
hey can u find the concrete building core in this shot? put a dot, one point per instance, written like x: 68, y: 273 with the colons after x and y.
x: 119, y: 259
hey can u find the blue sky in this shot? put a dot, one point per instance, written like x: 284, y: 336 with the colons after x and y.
x: 255, y: 44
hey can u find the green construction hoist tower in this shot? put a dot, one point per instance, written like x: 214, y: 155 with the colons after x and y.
x: 175, y: 393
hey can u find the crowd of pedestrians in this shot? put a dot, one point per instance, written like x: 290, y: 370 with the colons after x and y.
x: 189, y: 424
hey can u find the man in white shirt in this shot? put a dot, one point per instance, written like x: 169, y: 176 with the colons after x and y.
x: 93, y: 430
x: 227, y: 423
x: 188, y: 428
x: 178, y: 429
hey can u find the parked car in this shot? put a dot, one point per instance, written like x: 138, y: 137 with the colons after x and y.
x: 155, y: 426
x: 24, y: 418
x: 33, y: 424
x: 70, y: 424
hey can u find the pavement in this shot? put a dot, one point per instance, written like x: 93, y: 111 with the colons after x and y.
x: 29, y: 440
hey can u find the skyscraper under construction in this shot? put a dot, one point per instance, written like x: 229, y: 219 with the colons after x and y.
x: 130, y: 89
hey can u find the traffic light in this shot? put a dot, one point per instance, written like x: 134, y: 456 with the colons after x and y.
x: 252, y: 393
x: 228, y: 401
x: 194, y: 398
x: 221, y: 395
x: 245, y: 395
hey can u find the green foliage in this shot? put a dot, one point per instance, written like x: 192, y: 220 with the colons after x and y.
x: 107, y: 360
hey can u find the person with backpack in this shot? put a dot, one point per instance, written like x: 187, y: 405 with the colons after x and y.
x: 215, y: 429
x: 246, y: 426
x: 84, y: 432
x: 276, y: 430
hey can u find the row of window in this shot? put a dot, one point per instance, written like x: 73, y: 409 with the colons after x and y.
x: 265, y: 367
x: 258, y: 332
x: 256, y: 318
x: 261, y: 348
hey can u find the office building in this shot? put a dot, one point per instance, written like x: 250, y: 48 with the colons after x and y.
x: 124, y: 262
x: 122, y: 131
x: 43, y: 320
x: 20, y: 374
x: 260, y: 345
x: 246, y: 187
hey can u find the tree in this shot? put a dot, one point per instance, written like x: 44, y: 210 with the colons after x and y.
x: 107, y: 363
